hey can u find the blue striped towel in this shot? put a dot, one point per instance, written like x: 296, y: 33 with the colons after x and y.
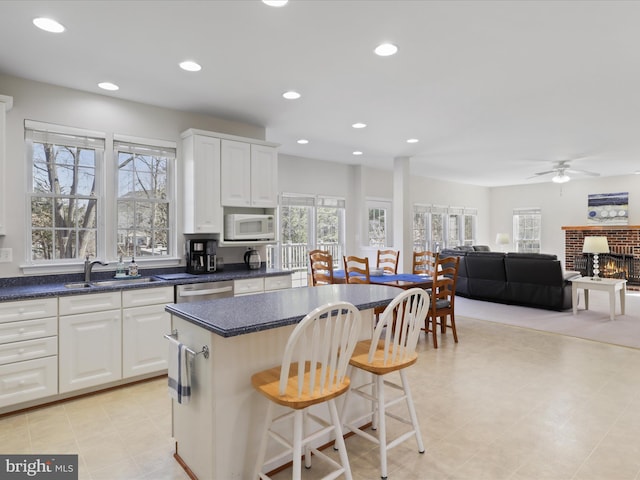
x: 179, y: 372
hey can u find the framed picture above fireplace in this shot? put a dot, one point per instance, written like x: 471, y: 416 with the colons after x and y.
x: 608, y: 209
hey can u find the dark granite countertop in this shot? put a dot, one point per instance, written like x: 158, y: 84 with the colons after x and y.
x: 28, y: 287
x: 229, y: 317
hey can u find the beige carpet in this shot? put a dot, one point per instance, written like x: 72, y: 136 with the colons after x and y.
x: 592, y: 324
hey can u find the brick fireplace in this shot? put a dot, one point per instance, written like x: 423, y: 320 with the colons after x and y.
x: 624, y: 245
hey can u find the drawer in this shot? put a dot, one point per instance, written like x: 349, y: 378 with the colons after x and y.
x: 248, y: 285
x: 28, y: 329
x: 96, y: 302
x: 28, y: 350
x: 28, y: 380
x: 277, y: 283
x: 149, y: 296
x: 28, y: 309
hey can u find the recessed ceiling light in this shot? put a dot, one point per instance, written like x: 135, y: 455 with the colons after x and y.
x: 190, y: 66
x: 359, y: 125
x: 291, y: 95
x: 357, y: 152
x: 275, y: 3
x: 108, y: 86
x: 48, y: 24
x: 303, y: 141
x: 413, y: 140
x: 386, y: 49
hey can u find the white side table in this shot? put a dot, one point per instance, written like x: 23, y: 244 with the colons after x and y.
x: 611, y: 285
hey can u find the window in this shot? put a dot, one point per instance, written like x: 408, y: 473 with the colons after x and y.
x: 306, y: 223
x: 527, y: 229
x: 436, y: 227
x: 71, y: 214
x: 143, y: 199
x: 470, y: 218
x: 379, y: 223
x: 65, y: 168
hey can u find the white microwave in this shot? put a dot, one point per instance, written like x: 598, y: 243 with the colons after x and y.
x: 240, y: 226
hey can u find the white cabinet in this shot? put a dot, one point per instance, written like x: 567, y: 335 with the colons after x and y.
x: 249, y: 175
x: 6, y: 103
x: 249, y: 286
x: 90, y: 340
x: 281, y: 282
x: 201, y: 170
x: 28, y: 350
x: 144, y: 324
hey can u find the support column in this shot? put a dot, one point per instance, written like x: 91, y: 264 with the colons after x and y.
x: 6, y: 103
x: 402, y: 212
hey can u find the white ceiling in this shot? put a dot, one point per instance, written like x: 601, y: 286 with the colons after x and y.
x: 494, y: 90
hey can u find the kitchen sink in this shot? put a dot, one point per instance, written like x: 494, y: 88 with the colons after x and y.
x: 77, y: 285
x: 108, y: 283
x: 124, y: 281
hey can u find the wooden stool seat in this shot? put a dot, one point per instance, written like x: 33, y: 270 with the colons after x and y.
x: 378, y: 365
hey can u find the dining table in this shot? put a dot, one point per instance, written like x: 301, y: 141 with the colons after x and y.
x: 401, y: 280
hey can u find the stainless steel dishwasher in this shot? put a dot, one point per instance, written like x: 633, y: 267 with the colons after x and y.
x: 195, y: 292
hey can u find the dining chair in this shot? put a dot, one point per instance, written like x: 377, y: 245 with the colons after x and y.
x: 356, y: 269
x: 424, y: 262
x: 388, y: 261
x: 321, y: 263
x: 313, y: 372
x: 443, y: 296
x: 391, y: 349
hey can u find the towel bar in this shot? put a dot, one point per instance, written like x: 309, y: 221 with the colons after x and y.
x: 204, y: 351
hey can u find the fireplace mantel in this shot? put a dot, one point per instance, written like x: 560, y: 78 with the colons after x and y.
x: 603, y: 227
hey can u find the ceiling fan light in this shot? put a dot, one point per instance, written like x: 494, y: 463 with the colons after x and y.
x: 561, y: 178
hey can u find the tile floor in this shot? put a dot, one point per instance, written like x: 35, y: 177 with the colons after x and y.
x: 504, y: 403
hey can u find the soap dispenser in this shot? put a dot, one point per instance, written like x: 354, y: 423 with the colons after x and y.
x: 133, y: 268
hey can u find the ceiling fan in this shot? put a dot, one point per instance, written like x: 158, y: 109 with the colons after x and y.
x: 561, y: 168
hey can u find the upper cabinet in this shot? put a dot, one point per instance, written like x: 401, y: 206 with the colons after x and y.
x: 222, y: 170
x: 5, y: 105
x: 249, y: 175
x: 201, y: 170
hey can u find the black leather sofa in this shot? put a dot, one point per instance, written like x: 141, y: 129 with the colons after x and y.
x: 529, y: 279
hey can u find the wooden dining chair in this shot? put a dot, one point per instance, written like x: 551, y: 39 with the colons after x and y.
x: 313, y: 372
x: 424, y: 262
x: 356, y: 269
x: 321, y: 263
x: 391, y: 349
x: 388, y: 261
x: 443, y: 296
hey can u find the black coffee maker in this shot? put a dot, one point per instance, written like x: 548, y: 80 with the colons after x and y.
x: 201, y: 256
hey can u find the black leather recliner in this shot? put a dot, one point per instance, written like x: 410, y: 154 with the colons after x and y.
x: 528, y: 279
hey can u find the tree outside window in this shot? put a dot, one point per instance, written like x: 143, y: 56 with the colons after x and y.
x: 143, y: 213
x: 62, y: 193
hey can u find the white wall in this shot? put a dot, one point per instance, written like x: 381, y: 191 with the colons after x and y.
x: 561, y: 204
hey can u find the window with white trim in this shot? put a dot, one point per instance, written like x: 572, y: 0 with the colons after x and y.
x: 437, y: 226
x: 527, y: 229
x: 378, y: 223
x: 64, y: 194
x: 307, y: 223
x: 144, y: 198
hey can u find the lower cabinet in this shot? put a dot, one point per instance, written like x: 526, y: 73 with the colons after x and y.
x: 90, y: 349
x: 144, y: 325
x: 249, y: 286
x: 28, y: 350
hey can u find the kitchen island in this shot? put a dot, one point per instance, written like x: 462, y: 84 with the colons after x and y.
x: 217, y: 432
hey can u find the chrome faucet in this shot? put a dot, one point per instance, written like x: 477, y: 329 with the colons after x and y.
x: 88, y: 265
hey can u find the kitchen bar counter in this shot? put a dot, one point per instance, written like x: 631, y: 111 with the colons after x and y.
x: 254, y: 313
x: 218, y: 431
